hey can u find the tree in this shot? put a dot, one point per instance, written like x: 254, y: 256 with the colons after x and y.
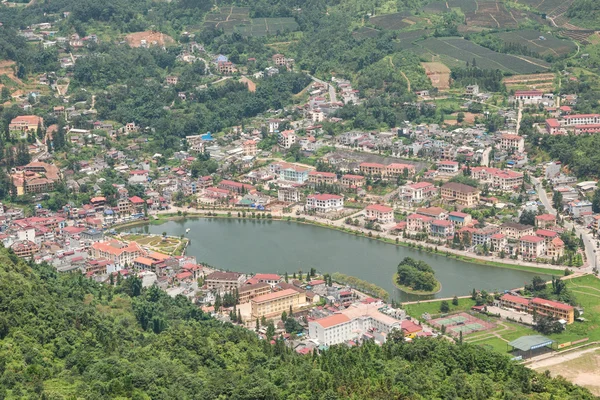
x: 286, y: 278
x: 473, y: 294
x: 527, y: 217
x: 455, y: 301
x: 283, y: 316
x: 270, y: 330
x: 257, y: 328
x: 444, y: 307
x: 557, y: 201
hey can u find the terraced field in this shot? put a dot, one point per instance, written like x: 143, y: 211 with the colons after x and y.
x: 365, y: 32
x: 394, y: 21
x: 549, y: 45
x: 237, y: 19
x: 465, y: 51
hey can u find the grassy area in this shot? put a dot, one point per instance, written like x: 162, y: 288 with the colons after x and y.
x: 433, y: 307
x: 410, y: 290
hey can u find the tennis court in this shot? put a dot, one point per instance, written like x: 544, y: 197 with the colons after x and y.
x: 462, y: 322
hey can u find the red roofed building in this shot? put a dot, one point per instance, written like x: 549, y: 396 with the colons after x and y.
x: 555, y: 248
x: 271, y: 279
x: 546, y: 235
x: 553, y: 309
x: 514, y: 302
x: 441, y: 228
x: 512, y: 142
x: 372, y: 169
x: 235, y: 187
x: 137, y: 204
x: 379, y: 212
x: 410, y: 329
x: 118, y: 252
x: 24, y: 124
x: 324, y: 203
x: 529, y: 96
x: 318, y: 178
x: 588, y: 128
x: 504, y: 180
x: 351, y: 181
x: 532, y: 247
x: 545, y: 221
x: 334, y: 329
x: 269, y: 305
x: 418, y: 223
x: 418, y: 192
x: 552, y: 126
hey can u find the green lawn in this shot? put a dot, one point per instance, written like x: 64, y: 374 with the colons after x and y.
x: 433, y: 307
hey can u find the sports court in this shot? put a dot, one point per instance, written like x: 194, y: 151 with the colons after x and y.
x: 461, y: 322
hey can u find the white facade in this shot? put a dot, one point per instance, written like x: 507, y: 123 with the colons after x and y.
x: 324, y: 203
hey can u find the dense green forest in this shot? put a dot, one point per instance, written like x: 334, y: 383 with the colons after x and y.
x: 578, y: 152
x: 63, y: 336
x: 416, y: 274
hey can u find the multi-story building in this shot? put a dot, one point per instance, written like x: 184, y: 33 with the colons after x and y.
x: 372, y: 169
x: 416, y: 223
x: 353, y: 181
x: 529, y: 96
x: 532, y: 247
x: 273, y: 304
x: 554, y: 309
x: 447, y: 167
x: 288, y: 194
x: 250, y: 148
x: 290, y: 172
x: 418, y: 192
x: 433, y: 212
x: 498, y: 242
x: 224, y: 281
x: 555, y: 249
x: 512, y: 142
x: 459, y: 193
x: 248, y: 292
x: 334, y: 329
x: 236, y: 187
x: 552, y: 126
x: 319, y: 178
x: 459, y: 219
x: 24, y: 124
x: 324, y: 203
x: 580, y: 208
x: 287, y: 138
x: 399, y: 169
x: 514, y: 230
x: 380, y: 213
x: 483, y: 236
x: 441, y: 228
x: 504, y: 180
x: 580, y: 119
x: 545, y: 221
x: 118, y: 252
x: 226, y: 67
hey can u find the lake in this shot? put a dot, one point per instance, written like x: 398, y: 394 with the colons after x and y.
x: 252, y: 246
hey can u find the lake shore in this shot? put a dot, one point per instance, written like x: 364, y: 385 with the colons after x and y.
x: 446, y: 252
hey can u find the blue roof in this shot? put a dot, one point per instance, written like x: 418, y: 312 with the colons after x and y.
x: 109, y: 211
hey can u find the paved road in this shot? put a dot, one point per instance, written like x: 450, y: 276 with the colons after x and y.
x: 590, y: 248
x: 332, y: 93
x: 485, y: 157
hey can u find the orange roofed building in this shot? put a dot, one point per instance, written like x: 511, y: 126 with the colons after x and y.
x: 118, y: 252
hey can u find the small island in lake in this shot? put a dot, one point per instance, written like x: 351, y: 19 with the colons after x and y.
x: 416, y: 277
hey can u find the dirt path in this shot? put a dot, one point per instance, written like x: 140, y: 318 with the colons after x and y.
x: 497, y: 23
x: 402, y: 73
x: 560, y: 358
x: 531, y: 62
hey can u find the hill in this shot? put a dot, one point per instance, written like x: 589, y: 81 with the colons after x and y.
x: 63, y: 336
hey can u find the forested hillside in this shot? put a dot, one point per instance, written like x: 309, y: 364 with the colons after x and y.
x: 63, y: 336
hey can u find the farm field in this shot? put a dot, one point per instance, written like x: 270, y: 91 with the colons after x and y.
x: 404, y: 40
x: 550, y: 45
x: 365, y: 32
x: 391, y: 21
x: 533, y: 81
x: 549, y: 7
x: 465, y: 51
x: 438, y: 73
x: 237, y: 19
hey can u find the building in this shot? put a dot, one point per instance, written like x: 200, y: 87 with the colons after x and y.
x: 226, y: 67
x: 459, y: 193
x: 514, y: 230
x: 372, y: 169
x: 503, y: 180
x: 545, y: 221
x: 579, y: 208
x: 529, y: 96
x: 532, y: 247
x: 554, y: 309
x: 459, y: 219
x: 290, y: 172
x: 248, y: 292
x: 24, y: 124
x: 236, y: 187
x: 288, y: 194
x: 447, y: 167
x: 442, y: 229
x: 380, y: 213
x: 172, y: 80
x: 510, y: 142
x: 552, y: 126
x: 418, y: 192
x: 334, y: 329
x: 555, y: 248
x: 580, y: 119
x: 250, y: 148
x: 279, y: 60
x: 472, y: 90
x: 416, y: 223
x: 433, y: 212
x: 324, y: 203
x: 498, y: 242
x: 399, y: 169
x: 273, y: 304
x: 353, y: 181
x: 118, y: 252
x: 287, y: 138
x: 224, y: 281
x: 322, y: 178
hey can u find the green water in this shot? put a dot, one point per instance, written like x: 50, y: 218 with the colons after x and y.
x: 279, y: 246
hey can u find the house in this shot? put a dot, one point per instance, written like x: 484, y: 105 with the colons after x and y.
x: 459, y: 219
x: 273, y: 304
x: 532, y: 247
x: 24, y: 124
x: 579, y: 208
x: 352, y: 181
x: 138, y: 176
x: 555, y: 248
x: 483, y: 236
x: 287, y: 138
x: 447, y: 167
x: 380, y: 213
x: 226, y: 67
x: 529, y: 96
x: 324, y: 203
x: 172, y: 80
x: 250, y: 148
x: 459, y: 193
x: 418, y: 192
x: 545, y: 221
x: 279, y: 60
x: 288, y: 194
x: 271, y: 279
x: 372, y: 169
x: 512, y: 142
x: 441, y: 228
x: 322, y: 178
x: 552, y: 126
x: 224, y: 281
x: 472, y: 90
x: 514, y: 230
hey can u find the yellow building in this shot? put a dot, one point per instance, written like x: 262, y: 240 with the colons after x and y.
x: 272, y: 304
x: 464, y: 195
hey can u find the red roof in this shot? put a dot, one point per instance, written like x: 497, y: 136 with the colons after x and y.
x: 441, y: 222
x: 332, y: 320
x: 551, y: 303
x: 515, y: 299
x: 325, y: 197
x: 372, y: 165
x: 546, y: 233
x: 458, y: 214
x: 353, y: 177
x: 531, y: 239
x: 410, y: 327
x: 183, y: 275
x: 575, y: 116
x: 528, y: 93
x: 420, y: 185
x: 325, y: 174
x: 545, y: 217
x: 379, y: 208
x: 136, y: 200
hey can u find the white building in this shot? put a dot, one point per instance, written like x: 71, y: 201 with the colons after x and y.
x: 287, y: 138
x: 324, y: 203
x: 288, y: 194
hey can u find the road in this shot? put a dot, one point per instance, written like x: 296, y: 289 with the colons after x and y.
x: 485, y: 157
x: 519, y: 115
x: 332, y: 93
x: 590, y: 248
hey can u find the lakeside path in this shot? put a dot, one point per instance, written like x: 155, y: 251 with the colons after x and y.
x: 338, y: 224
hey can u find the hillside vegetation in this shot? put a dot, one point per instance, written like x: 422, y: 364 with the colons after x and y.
x: 63, y: 336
